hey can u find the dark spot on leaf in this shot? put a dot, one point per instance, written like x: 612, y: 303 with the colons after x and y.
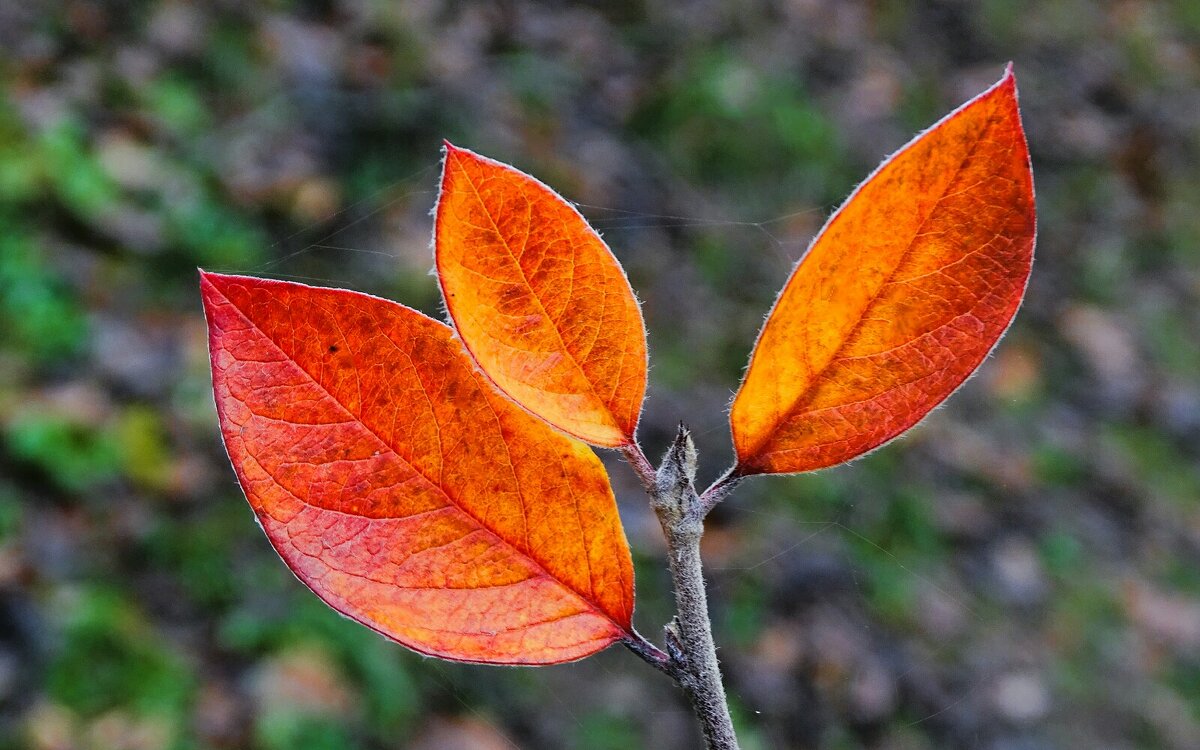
x: 333, y: 349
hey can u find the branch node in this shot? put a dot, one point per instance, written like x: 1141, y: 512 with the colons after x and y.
x: 691, y: 656
x: 674, y: 497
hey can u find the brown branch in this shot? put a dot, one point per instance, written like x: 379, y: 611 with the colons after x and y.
x: 691, y: 652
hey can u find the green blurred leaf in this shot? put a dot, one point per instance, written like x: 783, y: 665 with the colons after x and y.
x: 200, y: 552
x: 76, y: 456
x: 605, y: 731
x: 11, y: 512
x: 283, y: 730
x: 110, y: 656
x: 74, y: 173
x: 724, y: 122
x: 142, y: 445
x: 39, y: 315
x: 177, y: 104
x: 213, y: 234
x: 1161, y: 467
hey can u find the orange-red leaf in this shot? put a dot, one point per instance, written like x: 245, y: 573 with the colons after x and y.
x: 899, y: 298
x: 402, y: 489
x: 539, y: 300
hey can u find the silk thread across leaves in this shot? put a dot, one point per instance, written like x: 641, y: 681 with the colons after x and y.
x: 432, y: 482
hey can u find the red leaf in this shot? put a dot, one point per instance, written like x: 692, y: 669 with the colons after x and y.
x: 402, y: 489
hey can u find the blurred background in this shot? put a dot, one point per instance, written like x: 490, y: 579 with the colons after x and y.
x: 1021, y: 572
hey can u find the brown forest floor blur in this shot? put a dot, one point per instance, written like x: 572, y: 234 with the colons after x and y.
x: 1023, y: 571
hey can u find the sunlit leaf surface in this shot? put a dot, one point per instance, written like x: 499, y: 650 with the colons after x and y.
x: 900, y: 297
x: 539, y: 300
x: 403, y: 489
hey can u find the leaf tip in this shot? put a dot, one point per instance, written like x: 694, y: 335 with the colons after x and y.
x: 453, y: 163
x: 449, y: 149
x: 208, y: 279
x: 451, y: 155
x: 1008, y: 80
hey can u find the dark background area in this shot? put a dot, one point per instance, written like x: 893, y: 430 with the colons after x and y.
x: 1021, y: 572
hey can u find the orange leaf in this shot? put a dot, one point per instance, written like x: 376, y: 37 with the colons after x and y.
x: 539, y: 300
x: 900, y: 297
x: 402, y: 489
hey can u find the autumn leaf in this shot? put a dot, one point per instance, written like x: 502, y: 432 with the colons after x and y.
x: 402, y: 489
x: 539, y: 300
x: 900, y: 297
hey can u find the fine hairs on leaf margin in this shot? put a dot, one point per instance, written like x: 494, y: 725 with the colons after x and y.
x: 431, y: 481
